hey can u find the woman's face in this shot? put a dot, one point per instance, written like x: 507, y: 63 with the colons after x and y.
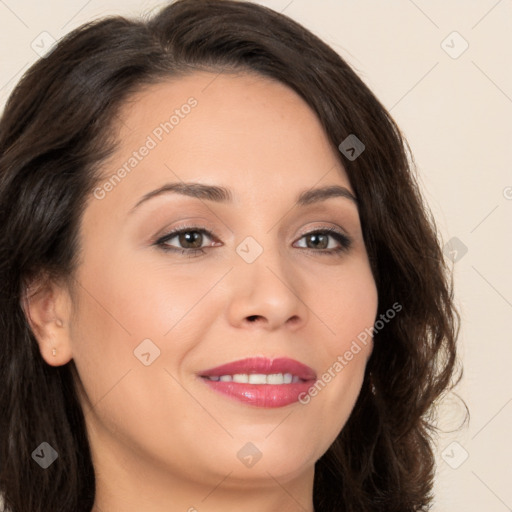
x: 153, y: 313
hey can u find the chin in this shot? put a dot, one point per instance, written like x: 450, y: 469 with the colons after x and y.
x: 262, y: 456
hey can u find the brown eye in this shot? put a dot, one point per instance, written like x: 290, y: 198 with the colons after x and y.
x: 319, y: 241
x: 185, y: 240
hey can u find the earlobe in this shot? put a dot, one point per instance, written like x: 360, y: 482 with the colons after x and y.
x: 46, y: 306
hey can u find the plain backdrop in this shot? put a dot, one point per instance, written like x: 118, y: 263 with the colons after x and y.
x: 443, y: 70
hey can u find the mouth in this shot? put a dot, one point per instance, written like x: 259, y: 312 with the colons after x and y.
x: 260, y: 381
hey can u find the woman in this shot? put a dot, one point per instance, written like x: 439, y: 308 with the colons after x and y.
x: 221, y: 286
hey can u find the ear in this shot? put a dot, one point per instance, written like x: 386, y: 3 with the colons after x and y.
x: 47, y: 307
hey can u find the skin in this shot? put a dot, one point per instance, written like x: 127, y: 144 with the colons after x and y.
x: 161, y: 439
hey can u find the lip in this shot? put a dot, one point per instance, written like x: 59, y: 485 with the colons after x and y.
x: 261, y: 395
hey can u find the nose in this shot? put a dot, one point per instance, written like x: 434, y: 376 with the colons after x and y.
x: 266, y: 294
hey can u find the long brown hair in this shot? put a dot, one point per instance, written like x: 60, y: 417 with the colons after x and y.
x: 52, y: 141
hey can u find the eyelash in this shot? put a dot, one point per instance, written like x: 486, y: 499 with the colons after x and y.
x: 344, y: 241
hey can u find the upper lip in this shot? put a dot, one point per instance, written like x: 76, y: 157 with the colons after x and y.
x: 262, y: 365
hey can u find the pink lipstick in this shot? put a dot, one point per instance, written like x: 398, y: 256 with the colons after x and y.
x: 261, y: 381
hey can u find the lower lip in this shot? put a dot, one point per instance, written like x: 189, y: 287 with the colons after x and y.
x: 261, y: 395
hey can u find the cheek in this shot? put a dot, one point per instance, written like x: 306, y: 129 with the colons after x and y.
x: 122, y: 305
x: 129, y: 299
x: 346, y: 346
x: 348, y: 309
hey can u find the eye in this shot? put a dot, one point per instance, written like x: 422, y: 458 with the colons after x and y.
x: 318, y: 241
x: 191, y: 240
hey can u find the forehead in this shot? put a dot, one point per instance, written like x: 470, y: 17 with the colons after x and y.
x: 243, y: 130
x: 217, y: 94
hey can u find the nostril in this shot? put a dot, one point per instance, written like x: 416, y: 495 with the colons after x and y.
x: 252, y: 318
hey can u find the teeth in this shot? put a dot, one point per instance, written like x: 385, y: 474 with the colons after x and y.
x: 258, y: 378
x: 275, y: 378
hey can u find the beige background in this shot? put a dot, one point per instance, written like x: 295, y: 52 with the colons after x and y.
x: 455, y: 109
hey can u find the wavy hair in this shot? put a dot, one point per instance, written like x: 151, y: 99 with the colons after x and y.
x: 53, y: 139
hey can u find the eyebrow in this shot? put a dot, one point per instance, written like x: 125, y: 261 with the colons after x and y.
x: 223, y: 195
